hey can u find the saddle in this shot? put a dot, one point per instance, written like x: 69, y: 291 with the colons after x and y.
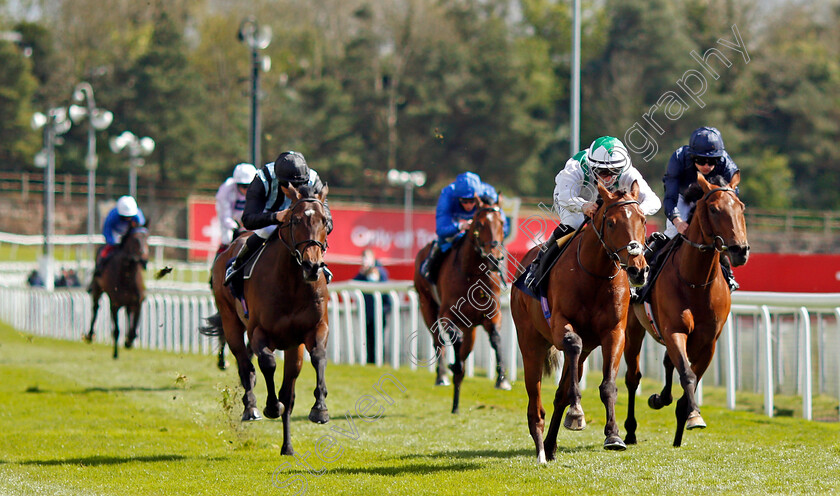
x: 246, y: 271
x: 562, y: 244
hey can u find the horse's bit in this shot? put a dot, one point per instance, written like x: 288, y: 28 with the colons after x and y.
x: 717, y: 243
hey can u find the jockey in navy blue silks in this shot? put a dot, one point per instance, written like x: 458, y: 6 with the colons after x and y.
x: 705, y: 153
x: 265, y: 200
x: 456, y: 207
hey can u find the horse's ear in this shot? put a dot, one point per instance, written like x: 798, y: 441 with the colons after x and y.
x: 701, y: 180
x: 736, y: 179
x: 290, y: 192
x: 634, y: 190
x: 603, y: 191
x: 323, y: 194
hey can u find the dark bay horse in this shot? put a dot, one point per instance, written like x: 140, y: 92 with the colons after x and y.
x: 122, y: 281
x: 286, y: 297
x: 467, y: 295
x: 689, y: 302
x: 588, y: 295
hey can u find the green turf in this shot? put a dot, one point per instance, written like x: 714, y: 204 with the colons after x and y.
x: 75, y: 422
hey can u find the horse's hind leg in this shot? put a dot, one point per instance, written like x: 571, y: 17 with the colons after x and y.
x: 632, y: 350
x: 234, y: 335
x: 292, y: 362
x: 95, y: 295
x: 568, y: 393
x: 496, y: 342
x: 532, y: 362
x: 134, y: 320
x: 222, y: 364
x: 463, y: 348
x: 657, y: 401
x: 268, y: 365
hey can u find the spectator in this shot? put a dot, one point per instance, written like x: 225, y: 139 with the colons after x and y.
x: 373, y: 271
x: 35, y: 280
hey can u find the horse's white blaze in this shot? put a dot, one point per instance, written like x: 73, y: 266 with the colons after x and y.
x: 634, y: 248
x: 309, y: 213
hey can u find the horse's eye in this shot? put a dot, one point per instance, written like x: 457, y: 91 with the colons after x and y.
x: 610, y: 223
x: 714, y: 210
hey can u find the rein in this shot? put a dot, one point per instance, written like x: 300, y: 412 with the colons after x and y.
x: 633, y: 247
x: 293, y: 221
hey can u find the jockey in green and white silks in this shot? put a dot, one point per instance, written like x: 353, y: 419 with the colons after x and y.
x: 607, y: 159
x: 576, y: 192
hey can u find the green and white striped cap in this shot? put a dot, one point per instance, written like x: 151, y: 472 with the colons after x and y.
x: 608, y: 154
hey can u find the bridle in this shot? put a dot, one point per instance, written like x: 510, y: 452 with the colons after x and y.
x: 717, y: 244
x: 633, y: 247
x: 133, y: 258
x: 485, y: 249
x: 294, y: 220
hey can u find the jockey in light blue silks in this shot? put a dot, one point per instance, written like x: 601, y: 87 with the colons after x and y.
x: 456, y: 207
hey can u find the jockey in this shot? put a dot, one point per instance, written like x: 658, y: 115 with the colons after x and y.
x: 265, y: 202
x: 704, y: 153
x: 455, y: 210
x: 575, y: 195
x: 125, y: 216
x: 230, y: 202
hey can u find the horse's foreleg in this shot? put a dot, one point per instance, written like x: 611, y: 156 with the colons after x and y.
x: 268, y: 365
x: 133, y: 321
x: 686, y: 405
x: 611, y: 351
x: 532, y: 365
x: 573, y: 351
x: 632, y: 350
x: 292, y: 362
x: 463, y: 348
x: 318, y: 353
x: 496, y: 342
x: 116, y: 332
x: 657, y: 401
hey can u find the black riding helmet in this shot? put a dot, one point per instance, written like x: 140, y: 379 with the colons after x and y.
x: 290, y: 167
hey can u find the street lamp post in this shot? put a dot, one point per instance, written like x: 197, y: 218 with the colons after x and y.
x: 409, y: 180
x: 257, y: 38
x: 137, y: 149
x: 99, y: 120
x: 54, y: 123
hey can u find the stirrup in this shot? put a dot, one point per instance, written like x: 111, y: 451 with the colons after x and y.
x: 229, y: 273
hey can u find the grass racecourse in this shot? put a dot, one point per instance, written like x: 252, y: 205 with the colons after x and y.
x: 75, y: 422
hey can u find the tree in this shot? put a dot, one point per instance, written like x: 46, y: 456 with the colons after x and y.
x: 18, y: 143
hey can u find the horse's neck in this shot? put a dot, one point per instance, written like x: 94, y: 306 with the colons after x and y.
x: 593, y: 256
x: 697, y: 266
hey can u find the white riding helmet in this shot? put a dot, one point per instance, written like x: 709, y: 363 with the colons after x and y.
x: 244, y: 173
x: 127, y: 206
x: 608, y: 154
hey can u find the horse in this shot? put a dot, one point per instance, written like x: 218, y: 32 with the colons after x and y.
x: 689, y: 302
x: 588, y: 295
x: 122, y: 280
x: 466, y: 295
x: 286, y: 297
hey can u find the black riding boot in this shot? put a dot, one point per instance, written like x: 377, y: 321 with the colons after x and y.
x: 728, y: 274
x: 655, y: 242
x: 429, y: 268
x: 540, y: 266
x: 251, y: 245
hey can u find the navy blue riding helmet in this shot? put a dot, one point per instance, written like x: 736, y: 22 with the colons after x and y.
x: 706, y: 142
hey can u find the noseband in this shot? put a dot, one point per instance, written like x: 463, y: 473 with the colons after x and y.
x: 717, y: 244
x: 293, y: 247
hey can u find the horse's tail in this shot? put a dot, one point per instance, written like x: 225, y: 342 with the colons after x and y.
x: 552, y: 361
x: 213, y: 327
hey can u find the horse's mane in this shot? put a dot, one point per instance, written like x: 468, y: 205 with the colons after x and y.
x: 694, y: 192
x: 307, y: 191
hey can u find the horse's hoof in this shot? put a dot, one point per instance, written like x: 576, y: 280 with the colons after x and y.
x: 88, y: 338
x: 129, y: 345
x: 273, y: 411
x: 250, y: 415
x: 630, y: 439
x: 614, y: 443
x: 287, y: 450
x: 541, y: 458
x: 319, y: 416
x: 442, y: 381
x: 575, y: 420
x: 656, y: 402
x: 503, y: 384
x: 223, y: 365
x: 695, y: 422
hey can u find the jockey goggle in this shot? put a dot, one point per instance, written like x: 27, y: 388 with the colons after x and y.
x: 707, y: 160
x: 470, y: 200
x: 607, y: 175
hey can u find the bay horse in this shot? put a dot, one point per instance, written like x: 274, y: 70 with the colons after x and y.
x: 286, y: 297
x: 689, y: 301
x: 588, y: 296
x: 122, y: 280
x: 466, y: 295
